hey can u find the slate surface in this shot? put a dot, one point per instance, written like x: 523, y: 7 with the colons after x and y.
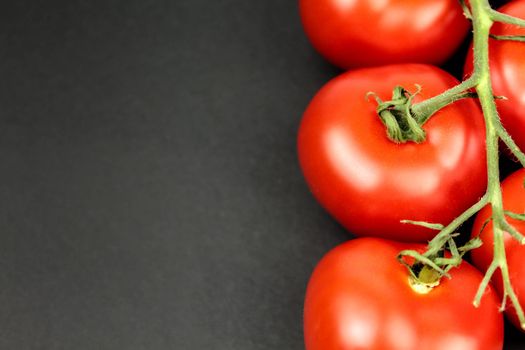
x: 151, y: 193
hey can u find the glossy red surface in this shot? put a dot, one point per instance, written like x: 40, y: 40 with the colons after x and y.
x: 369, y: 183
x: 359, y: 297
x: 357, y: 33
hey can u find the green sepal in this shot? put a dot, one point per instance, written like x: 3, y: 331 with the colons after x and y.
x: 432, y: 226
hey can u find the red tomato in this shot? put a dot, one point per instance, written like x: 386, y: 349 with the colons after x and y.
x: 513, y: 200
x: 359, y: 297
x: 369, y: 183
x: 358, y: 33
x: 507, y: 68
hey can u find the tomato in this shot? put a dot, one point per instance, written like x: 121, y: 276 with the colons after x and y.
x: 359, y: 297
x: 358, y: 33
x: 507, y: 68
x: 369, y: 183
x: 513, y: 200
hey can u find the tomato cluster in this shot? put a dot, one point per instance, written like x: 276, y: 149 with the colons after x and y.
x: 360, y: 296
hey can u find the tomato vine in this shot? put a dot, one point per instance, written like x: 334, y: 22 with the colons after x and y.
x: 483, y: 17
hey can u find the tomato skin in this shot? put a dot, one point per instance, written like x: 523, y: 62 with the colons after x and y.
x: 513, y: 200
x: 507, y: 69
x: 359, y: 297
x: 359, y: 33
x: 369, y: 183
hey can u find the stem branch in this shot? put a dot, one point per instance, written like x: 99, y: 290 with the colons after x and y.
x: 513, y: 147
x: 504, y: 18
x: 483, y: 17
x: 424, y: 109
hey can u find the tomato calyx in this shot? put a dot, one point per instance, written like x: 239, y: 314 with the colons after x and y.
x: 428, y: 279
x: 442, y: 254
x: 404, y: 120
x: 396, y: 115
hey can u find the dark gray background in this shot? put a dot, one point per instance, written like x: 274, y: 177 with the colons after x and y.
x: 151, y: 193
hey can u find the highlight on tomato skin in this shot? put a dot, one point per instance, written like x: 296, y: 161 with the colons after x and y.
x: 369, y: 183
x: 513, y: 194
x: 359, y: 297
x: 507, y: 69
x: 362, y: 33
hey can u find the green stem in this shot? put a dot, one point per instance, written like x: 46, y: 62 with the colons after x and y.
x: 519, y: 38
x: 404, y: 120
x: 485, y: 282
x: 513, y: 147
x: 450, y: 228
x: 483, y: 17
x: 466, y: 9
x: 423, y: 110
x: 504, y: 18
